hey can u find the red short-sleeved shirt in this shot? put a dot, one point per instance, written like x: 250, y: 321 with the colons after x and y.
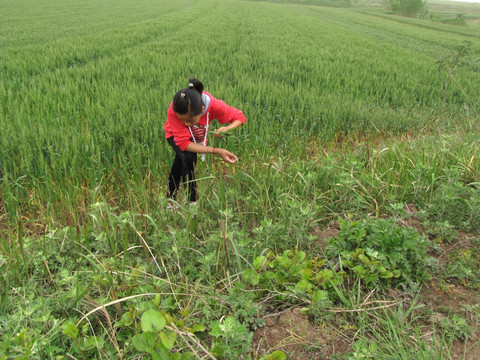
x: 215, y: 109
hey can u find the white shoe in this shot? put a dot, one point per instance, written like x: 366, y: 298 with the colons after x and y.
x: 172, y: 206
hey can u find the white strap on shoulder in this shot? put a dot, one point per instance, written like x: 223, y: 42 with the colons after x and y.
x: 203, y: 157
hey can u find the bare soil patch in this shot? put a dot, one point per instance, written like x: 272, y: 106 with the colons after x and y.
x: 323, y: 235
x: 296, y: 335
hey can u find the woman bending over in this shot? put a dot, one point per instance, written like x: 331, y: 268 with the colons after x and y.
x: 189, y: 118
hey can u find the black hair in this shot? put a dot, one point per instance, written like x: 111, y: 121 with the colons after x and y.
x: 189, y: 100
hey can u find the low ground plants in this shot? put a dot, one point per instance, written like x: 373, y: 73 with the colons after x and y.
x: 375, y: 253
x: 462, y: 266
x: 381, y: 249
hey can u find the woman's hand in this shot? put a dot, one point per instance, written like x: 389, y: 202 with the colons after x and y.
x: 226, y: 155
x: 233, y: 125
x: 217, y: 132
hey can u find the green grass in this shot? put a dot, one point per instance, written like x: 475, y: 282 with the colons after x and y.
x: 349, y: 116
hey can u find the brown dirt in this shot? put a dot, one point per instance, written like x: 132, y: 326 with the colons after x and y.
x: 324, y: 234
x: 468, y: 350
x: 297, y: 336
x: 443, y: 300
x: 411, y: 221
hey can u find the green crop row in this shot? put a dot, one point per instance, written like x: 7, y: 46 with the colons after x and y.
x: 83, y: 102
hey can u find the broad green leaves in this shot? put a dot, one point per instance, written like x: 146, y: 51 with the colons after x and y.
x: 153, y: 321
x: 153, y: 340
x: 70, y: 330
x: 381, y: 252
x: 82, y: 343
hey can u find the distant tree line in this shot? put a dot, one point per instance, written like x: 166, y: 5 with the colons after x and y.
x: 410, y: 8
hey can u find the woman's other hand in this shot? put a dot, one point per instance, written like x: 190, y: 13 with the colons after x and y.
x: 226, y: 155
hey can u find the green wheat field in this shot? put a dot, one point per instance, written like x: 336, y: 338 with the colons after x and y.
x: 350, y: 224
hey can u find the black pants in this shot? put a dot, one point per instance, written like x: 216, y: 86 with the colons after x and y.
x: 183, y: 168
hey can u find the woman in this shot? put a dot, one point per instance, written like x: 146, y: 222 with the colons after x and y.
x: 188, y: 120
